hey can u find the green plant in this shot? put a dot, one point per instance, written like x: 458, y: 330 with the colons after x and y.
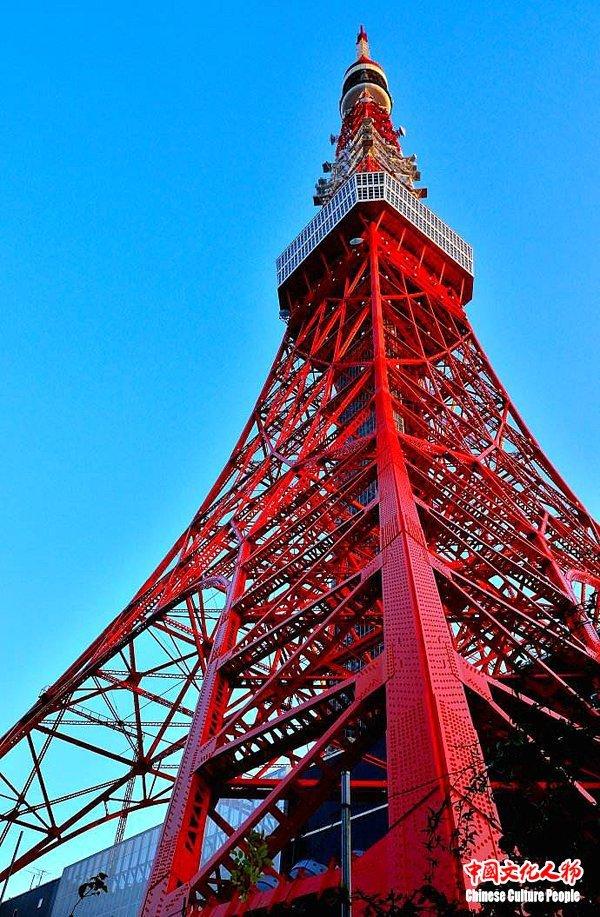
x: 94, y: 886
x: 250, y: 863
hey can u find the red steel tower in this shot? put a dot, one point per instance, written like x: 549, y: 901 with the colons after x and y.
x: 388, y: 580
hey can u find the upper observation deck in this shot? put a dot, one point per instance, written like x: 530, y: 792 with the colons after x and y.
x: 371, y: 187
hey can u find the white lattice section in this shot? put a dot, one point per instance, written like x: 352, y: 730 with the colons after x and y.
x: 373, y: 186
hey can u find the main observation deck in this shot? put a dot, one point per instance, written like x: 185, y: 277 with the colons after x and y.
x: 362, y: 187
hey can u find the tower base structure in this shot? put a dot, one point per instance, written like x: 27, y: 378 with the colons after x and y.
x: 404, y: 605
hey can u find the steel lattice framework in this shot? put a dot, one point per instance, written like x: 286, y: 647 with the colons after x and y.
x: 388, y: 574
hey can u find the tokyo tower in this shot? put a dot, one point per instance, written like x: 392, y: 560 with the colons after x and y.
x: 381, y: 627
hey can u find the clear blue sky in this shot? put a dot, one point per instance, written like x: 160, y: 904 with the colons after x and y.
x: 154, y: 160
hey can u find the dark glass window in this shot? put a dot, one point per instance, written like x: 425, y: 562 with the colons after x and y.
x: 364, y: 75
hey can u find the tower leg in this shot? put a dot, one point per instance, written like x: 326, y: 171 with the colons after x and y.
x: 180, y: 845
x: 433, y: 752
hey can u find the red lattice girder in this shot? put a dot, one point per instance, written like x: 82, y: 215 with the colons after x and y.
x: 437, y: 554
x: 387, y: 577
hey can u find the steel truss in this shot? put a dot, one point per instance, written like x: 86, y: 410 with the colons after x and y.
x: 409, y: 548
x: 388, y: 572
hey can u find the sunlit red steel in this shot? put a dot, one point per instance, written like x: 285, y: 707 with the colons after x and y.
x: 387, y: 571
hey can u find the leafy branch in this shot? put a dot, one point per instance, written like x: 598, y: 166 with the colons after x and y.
x: 250, y: 863
x: 93, y: 887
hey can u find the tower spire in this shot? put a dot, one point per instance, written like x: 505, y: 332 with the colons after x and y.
x: 367, y: 141
x: 362, y: 44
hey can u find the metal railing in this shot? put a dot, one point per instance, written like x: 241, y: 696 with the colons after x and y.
x: 373, y: 186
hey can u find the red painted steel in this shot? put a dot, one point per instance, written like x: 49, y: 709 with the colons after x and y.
x: 387, y: 574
